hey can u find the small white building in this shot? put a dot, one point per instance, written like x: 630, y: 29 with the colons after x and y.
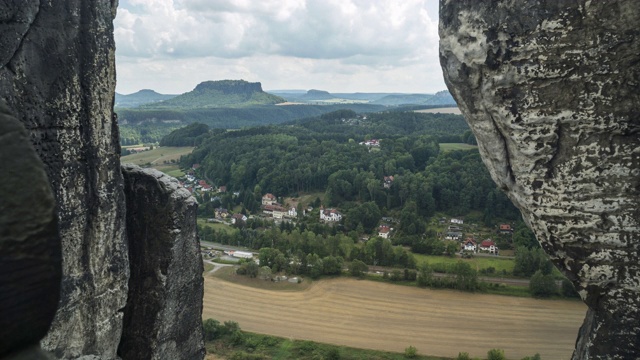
x: 330, y: 215
x: 457, y: 221
x: 383, y: 231
x: 292, y: 213
x: 239, y: 254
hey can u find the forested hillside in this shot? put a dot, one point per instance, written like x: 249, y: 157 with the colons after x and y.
x: 347, y: 156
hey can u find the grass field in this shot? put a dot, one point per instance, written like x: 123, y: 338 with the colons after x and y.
x: 476, y: 263
x: 373, y: 315
x: 157, y: 157
x: 456, y: 146
x: 216, y: 226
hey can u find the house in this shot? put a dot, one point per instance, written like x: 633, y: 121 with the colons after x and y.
x: 269, y: 199
x: 330, y: 214
x: 292, y: 213
x: 202, y: 183
x: 505, y: 229
x: 275, y: 211
x: 388, y: 181
x: 457, y: 221
x: 469, y: 245
x: 488, y: 246
x: 372, y: 142
x: 236, y: 218
x: 221, y: 213
x: 222, y: 189
x: 206, y: 187
x: 453, y: 235
x: 383, y: 231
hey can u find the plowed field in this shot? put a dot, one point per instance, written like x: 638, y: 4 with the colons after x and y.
x: 381, y: 316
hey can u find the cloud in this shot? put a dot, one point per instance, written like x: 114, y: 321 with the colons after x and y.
x: 333, y: 38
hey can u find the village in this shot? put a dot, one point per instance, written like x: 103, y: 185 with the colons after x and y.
x: 451, y: 230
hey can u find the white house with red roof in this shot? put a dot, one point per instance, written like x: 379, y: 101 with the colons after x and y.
x: 488, y: 246
x: 469, y: 245
x: 384, y: 231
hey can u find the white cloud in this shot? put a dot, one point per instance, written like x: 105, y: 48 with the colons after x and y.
x: 284, y: 43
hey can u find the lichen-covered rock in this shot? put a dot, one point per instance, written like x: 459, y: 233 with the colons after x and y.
x: 163, y: 316
x: 30, y: 259
x: 550, y: 89
x: 57, y: 75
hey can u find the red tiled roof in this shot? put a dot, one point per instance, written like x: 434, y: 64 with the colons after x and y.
x: 487, y: 243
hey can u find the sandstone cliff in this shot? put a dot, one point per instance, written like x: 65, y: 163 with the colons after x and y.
x: 163, y: 316
x: 57, y: 76
x: 550, y: 90
x: 30, y: 259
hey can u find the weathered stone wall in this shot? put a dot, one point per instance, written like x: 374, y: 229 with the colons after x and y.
x: 163, y: 316
x: 57, y: 75
x: 30, y: 258
x: 550, y: 89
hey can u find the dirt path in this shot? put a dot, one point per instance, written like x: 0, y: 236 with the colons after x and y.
x: 367, y: 314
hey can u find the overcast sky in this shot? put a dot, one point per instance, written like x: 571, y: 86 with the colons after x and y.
x: 336, y: 45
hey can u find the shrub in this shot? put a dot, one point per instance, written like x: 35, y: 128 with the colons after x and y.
x: 463, y: 356
x: 496, y: 354
x: 410, y: 352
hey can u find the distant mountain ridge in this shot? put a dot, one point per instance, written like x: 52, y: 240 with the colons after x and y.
x: 443, y: 98
x: 141, y: 97
x: 220, y: 94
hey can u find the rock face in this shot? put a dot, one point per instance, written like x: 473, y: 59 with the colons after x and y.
x: 30, y: 259
x: 163, y: 316
x: 57, y: 75
x: 550, y: 89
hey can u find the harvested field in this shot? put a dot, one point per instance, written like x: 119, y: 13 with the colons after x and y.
x: 381, y: 316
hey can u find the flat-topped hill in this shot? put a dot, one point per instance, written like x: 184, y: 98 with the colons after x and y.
x: 223, y: 93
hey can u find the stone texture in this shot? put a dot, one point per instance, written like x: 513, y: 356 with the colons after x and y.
x: 550, y: 89
x: 30, y: 258
x: 57, y: 75
x: 163, y: 316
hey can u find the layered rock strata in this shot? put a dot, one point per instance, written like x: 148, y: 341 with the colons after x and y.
x: 30, y: 258
x: 162, y: 319
x: 550, y: 89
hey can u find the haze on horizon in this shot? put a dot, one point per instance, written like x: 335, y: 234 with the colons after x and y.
x: 339, y: 46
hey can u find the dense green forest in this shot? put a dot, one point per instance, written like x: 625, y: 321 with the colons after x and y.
x: 325, y: 154
x: 145, y: 133
x: 235, y: 118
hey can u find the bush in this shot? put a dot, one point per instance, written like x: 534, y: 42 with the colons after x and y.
x: 496, y: 354
x: 212, y: 329
x: 410, y: 352
x: 463, y: 356
x: 542, y: 285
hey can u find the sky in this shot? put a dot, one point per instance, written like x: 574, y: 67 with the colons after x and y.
x: 335, y: 45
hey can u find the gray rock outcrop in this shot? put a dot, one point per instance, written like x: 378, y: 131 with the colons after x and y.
x: 57, y: 76
x: 30, y: 258
x: 162, y: 319
x: 550, y: 89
